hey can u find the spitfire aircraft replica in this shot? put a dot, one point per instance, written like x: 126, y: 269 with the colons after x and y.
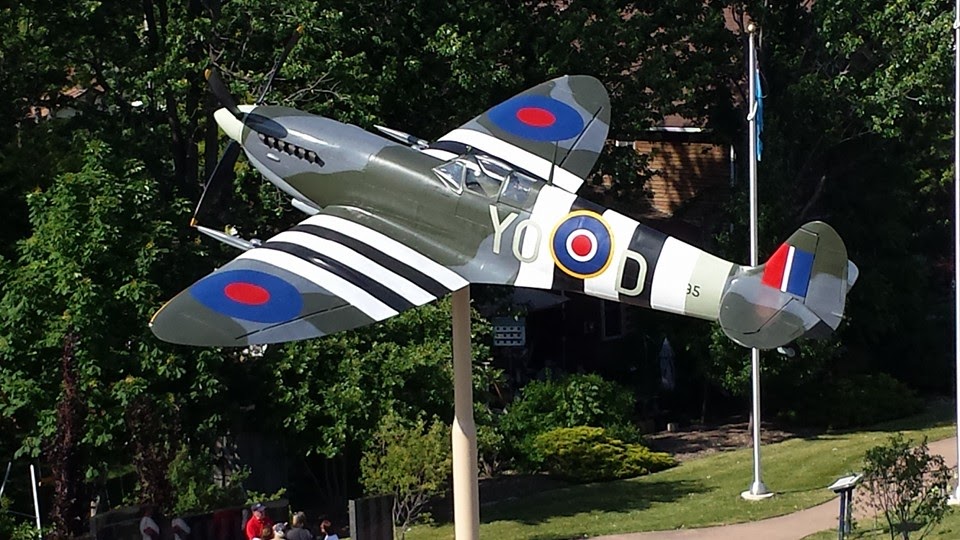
x: 398, y: 222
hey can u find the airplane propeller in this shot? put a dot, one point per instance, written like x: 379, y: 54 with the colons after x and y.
x: 280, y: 61
x: 222, y: 93
x: 223, y: 173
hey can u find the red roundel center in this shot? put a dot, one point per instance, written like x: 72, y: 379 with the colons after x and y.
x: 536, y: 117
x: 581, y: 245
x: 247, y: 293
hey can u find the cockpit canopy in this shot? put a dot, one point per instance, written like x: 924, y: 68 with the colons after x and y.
x: 487, y: 177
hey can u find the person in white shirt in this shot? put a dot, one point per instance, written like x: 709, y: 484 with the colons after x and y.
x: 149, y: 530
x: 180, y: 529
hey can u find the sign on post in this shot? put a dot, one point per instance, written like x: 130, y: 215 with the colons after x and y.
x: 844, y: 487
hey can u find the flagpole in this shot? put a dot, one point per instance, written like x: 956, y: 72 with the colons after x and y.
x: 954, y: 498
x: 758, y: 490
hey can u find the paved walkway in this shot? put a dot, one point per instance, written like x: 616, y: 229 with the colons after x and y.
x: 787, y: 527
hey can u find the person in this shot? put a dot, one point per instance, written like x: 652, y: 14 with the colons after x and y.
x: 279, y: 531
x: 258, y: 522
x: 265, y: 534
x: 326, y: 528
x: 180, y: 529
x: 299, y: 531
x: 149, y: 530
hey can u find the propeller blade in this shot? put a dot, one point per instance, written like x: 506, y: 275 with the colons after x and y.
x: 279, y: 63
x: 220, y: 90
x: 223, y: 174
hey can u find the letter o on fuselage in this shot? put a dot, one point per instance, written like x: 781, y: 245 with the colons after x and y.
x: 518, y: 236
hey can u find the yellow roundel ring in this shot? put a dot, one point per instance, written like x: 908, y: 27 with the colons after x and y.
x: 582, y: 244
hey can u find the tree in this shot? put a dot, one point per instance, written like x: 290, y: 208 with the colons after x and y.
x: 153, y: 438
x: 69, y: 509
x: 100, y: 239
x: 856, y: 121
x: 92, y: 269
x: 907, y: 484
x: 411, y: 461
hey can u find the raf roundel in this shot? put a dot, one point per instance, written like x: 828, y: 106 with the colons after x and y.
x: 538, y: 118
x: 582, y: 244
x: 249, y: 295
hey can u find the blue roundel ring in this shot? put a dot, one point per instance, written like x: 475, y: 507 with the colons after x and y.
x: 582, y: 244
x: 538, y: 118
x: 249, y: 295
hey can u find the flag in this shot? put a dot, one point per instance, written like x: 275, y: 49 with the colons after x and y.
x: 759, y: 114
x: 789, y: 270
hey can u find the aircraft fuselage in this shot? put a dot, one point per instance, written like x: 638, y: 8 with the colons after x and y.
x: 536, y: 235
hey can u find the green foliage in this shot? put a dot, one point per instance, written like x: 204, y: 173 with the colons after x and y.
x: 906, y: 484
x: 857, y: 117
x: 856, y: 400
x: 14, y: 527
x: 855, y: 121
x: 104, y: 240
x: 337, y: 389
x: 411, y: 461
x: 589, y: 454
x: 572, y: 400
x: 488, y: 403
x: 194, y: 488
x: 255, y: 496
x: 91, y: 266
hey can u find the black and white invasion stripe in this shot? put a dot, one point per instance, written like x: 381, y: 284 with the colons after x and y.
x: 375, y: 273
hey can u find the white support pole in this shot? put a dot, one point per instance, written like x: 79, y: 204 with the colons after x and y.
x: 955, y: 496
x: 6, y: 476
x: 466, y: 492
x: 757, y: 489
x: 36, y: 501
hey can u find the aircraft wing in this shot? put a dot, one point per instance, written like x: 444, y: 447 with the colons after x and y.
x: 561, y: 125
x: 325, y: 275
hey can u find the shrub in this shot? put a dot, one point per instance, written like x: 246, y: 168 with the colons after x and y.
x: 859, y: 400
x: 572, y: 400
x: 588, y: 454
x: 412, y: 461
x: 489, y: 444
x: 907, y: 485
x: 194, y: 488
x: 12, y: 526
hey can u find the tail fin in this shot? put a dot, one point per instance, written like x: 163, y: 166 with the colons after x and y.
x: 800, y: 291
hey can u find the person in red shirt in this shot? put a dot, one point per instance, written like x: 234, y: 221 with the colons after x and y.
x: 258, y: 522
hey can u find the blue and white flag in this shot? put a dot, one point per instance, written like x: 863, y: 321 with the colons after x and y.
x: 759, y: 111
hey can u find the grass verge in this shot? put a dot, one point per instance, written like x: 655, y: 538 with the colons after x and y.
x: 697, y: 493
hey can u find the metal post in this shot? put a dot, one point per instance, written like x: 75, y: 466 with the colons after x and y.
x: 848, y: 519
x: 843, y: 516
x: 757, y: 489
x: 466, y: 492
x: 6, y: 476
x: 36, y: 503
x: 954, y: 498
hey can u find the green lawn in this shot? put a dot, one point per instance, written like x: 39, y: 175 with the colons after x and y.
x: 697, y: 493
